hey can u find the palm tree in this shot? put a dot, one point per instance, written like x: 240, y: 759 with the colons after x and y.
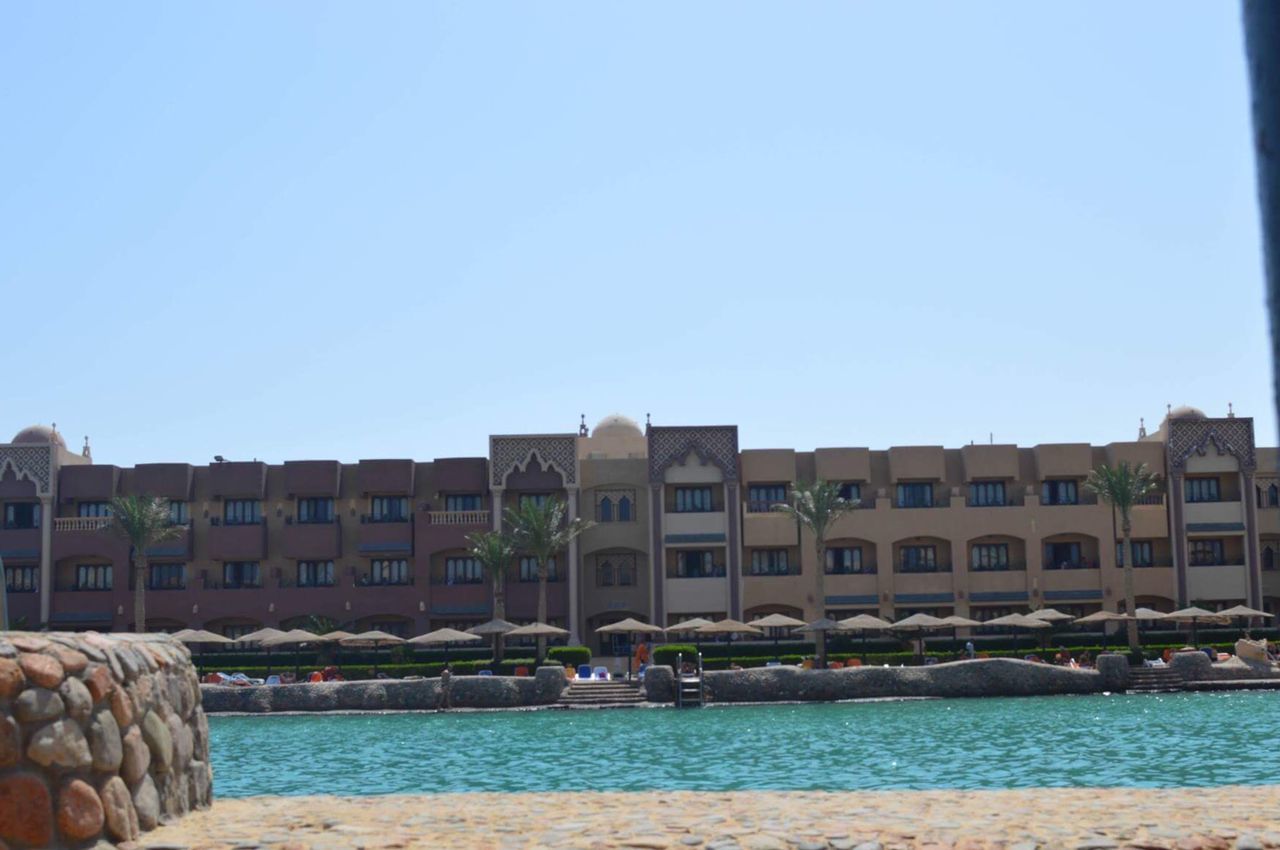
x: 495, y: 551
x: 1123, y: 486
x: 816, y: 507
x: 141, y: 521
x: 540, y: 529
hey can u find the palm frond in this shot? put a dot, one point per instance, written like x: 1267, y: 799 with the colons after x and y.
x: 817, y: 506
x: 1122, y: 486
x: 142, y: 521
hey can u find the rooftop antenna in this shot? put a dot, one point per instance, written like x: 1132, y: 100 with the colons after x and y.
x: 582, y: 426
x: 1231, y: 412
x: 1142, y: 427
x: 85, y: 451
x: 646, y: 423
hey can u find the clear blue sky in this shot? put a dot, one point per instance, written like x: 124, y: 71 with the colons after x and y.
x: 294, y: 230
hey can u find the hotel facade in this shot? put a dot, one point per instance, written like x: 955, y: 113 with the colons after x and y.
x: 684, y: 526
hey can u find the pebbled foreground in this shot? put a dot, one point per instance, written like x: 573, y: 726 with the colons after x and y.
x: 1225, y: 818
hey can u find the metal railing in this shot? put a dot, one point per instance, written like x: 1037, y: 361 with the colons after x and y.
x: 81, y: 523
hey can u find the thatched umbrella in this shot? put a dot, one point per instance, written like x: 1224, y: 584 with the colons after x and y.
x: 258, y: 637
x: 778, y: 622
x: 690, y: 625
x: 444, y: 637
x: 1019, y: 621
x: 920, y: 623
x: 630, y: 627
x: 865, y: 623
x: 1052, y: 617
x: 1246, y: 612
x: 820, y: 627
x: 195, y: 637
x: 1194, y: 615
x: 537, y: 630
x: 728, y: 628
x: 1104, y: 617
x: 495, y: 629
x: 372, y: 639
x: 335, y: 637
x: 294, y: 638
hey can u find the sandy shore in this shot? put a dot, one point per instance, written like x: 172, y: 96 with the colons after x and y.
x: 1231, y: 818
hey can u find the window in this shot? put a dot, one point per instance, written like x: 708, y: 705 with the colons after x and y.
x: 987, y: 557
x: 846, y: 560
x: 529, y: 569
x: 166, y: 576
x: 315, y: 574
x: 762, y: 498
x: 242, y: 512
x: 1063, y: 556
x: 918, y: 559
x: 1202, y: 490
x: 178, y: 514
x: 769, y: 562
x: 457, y: 502
x: 605, y: 575
x: 986, y: 494
x: 624, y: 509
x: 851, y: 491
x: 238, y: 574
x: 1273, y: 495
x: 315, y: 510
x: 1059, y: 492
x: 462, y: 571
x: 22, y: 515
x: 1206, y: 553
x: 389, y: 571
x: 915, y: 494
x: 605, y: 510
x: 626, y: 574
x: 536, y: 499
x: 93, y: 509
x: 24, y: 579
x: 1141, y: 553
x: 693, y: 500
x: 389, y: 509
x: 93, y: 577
x: 1269, y: 558
x: 697, y: 563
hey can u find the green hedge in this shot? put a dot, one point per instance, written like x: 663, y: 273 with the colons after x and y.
x: 355, y: 672
x: 569, y: 655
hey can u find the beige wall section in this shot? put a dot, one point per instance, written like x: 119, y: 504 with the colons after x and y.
x: 907, y: 463
x: 1149, y: 452
x: 613, y: 473
x: 1063, y: 460
x: 990, y: 462
x: 852, y: 464
x: 768, y: 466
x: 692, y: 470
x: 1211, y: 461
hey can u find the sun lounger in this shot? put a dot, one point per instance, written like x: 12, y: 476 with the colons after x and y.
x: 273, y: 679
x: 584, y: 671
x: 773, y: 664
x: 485, y: 673
x: 600, y: 673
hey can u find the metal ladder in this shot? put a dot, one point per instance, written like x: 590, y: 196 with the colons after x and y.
x: 688, y: 688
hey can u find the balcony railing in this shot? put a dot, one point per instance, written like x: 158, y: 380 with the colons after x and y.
x: 369, y: 519
x: 716, y: 571
x: 923, y: 568
x: 458, y: 517
x: 1075, y: 564
x: 73, y: 586
x: 81, y: 523
x: 764, y: 507
x: 1151, y: 499
x: 1008, y: 567
x: 383, y: 581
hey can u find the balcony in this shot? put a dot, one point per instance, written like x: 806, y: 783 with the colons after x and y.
x: 237, y: 542
x: 73, y: 586
x: 480, y: 518
x: 318, y: 541
x: 369, y: 580
x: 20, y: 543
x: 1081, y: 563
x: 385, y: 537
x: 909, y: 569
x: 87, y: 536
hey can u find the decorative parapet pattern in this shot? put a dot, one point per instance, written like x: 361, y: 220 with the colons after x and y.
x: 507, y: 454
x: 716, y: 444
x: 1233, y: 436
x: 101, y: 737
x: 35, y: 463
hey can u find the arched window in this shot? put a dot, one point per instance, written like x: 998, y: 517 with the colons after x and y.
x: 606, y: 509
x: 624, y: 509
x: 626, y: 575
x: 1273, y: 495
x: 1268, y: 558
x: 606, y: 574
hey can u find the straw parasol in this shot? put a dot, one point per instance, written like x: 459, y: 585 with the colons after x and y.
x: 820, y: 627
x: 776, y: 621
x: 1019, y: 621
x: 920, y: 623
x: 194, y: 637
x: 630, y: 626
x: 691, y: 625
x: 1050, y: 615
x: 294, y: 638
x: 955, y: 621
x: 865, y: 623
x: 537, y: 630
x: 1103, y: 617
x: 728, y: 628
x: 258, y: 637
x: 372, y: 639
x: 1246, y: 612
x: 444, y: 637
x: 1194, y: 615
x: 495, y: 629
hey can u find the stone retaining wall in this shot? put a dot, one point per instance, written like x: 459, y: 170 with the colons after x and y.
x: 101, y: 736
x: 979, y: 678
x: 543, y: 688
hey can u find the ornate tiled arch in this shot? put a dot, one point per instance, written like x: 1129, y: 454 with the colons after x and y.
x: 1233, y: 436
x: 559, y: 451
x: 35, y: 463
x: 716, y: 444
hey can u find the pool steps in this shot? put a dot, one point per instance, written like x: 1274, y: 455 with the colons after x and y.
x: 595, y: 694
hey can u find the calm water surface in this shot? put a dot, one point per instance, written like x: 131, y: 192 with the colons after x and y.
x: 1146, y: 740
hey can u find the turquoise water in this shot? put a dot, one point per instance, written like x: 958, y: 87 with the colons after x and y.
x: 1146, y: 740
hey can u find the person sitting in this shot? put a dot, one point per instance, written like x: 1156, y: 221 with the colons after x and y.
x: 315, y: 676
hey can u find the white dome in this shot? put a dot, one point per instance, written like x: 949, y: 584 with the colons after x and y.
x: 617, y: 425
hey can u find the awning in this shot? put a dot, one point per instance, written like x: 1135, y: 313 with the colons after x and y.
x: 81, y: 619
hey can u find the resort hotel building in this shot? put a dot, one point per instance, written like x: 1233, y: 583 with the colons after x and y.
x: 684, y: 526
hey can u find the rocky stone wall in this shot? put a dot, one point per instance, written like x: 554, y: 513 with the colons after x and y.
x: 979, y: 678
x: 101, y: 736
x: 543, y: 688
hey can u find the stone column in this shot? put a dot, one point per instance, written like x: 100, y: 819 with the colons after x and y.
x: 575, y: 632
x: 657, y: 557
x: 1252, y: 553
x: 1178, y: 531
x: 733, y: 504
x: 46, y: 557
x: 497, y: 509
